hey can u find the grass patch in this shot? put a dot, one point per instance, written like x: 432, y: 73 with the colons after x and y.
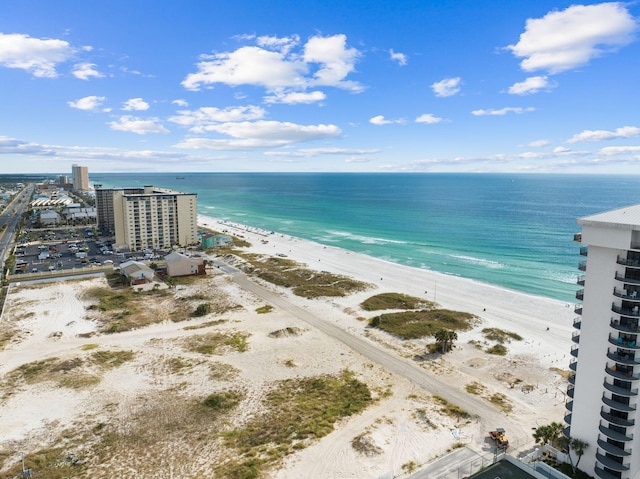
x: 215, y: 322
x: 267, y: 308
x: 498, y: 350
x: 419, y: 324
x: 52, y: 463
x: 296, y: 411
x: 500, y: 335
x: 394, y: 301
x: 303, y: 282
x: 365, y: 445
x: 501, y: 402
x: 90, y: 346
x: 217, y: 343
x: 222, y: 372
x: 111, y: 359
x: 449, y: 409
x: 475, y: 388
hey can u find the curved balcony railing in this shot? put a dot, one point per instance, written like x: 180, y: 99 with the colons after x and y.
x: 618, y: 421
x: 575, y: 337
x: 584, y: 251
x: 566, y: 432
x: 611, y: 449
x: 571, y: 391
x: 573, y: 365
x: 577, y: 322
x: 602, y: 474
x: 577, y: 309
x: 617, y: 405
x: 580, y: 294
x: 626, y: 279
x: 629, y: 263
x: 611, y: 463
x: 621, y: 358
x: 626, y: 294
x: 569, y: 405
x: 572, y: 379
x: 622, y: 343
x: 567, y: 419
x: 630, y: 312
x: 620, y: 391
x: 582, y: 265
x: 574, y: 350
x: 624, y: 376
x: 580, y: 280
x: 615, y: 435
x: 577, y: 237
x: 625, y: 325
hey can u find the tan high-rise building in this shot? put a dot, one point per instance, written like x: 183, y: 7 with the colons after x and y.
x: 603, y: 391
x: 80, y: 177
x: 147, y: 217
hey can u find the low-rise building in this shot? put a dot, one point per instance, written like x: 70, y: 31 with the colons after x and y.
x: 179, y: 264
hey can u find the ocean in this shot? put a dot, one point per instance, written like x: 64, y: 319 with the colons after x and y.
x: 510, y: 230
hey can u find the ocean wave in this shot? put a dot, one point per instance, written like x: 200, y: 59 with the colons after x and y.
x: 365, y: 239
x: 485, y: 262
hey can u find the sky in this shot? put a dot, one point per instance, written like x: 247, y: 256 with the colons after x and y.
x: 315, y: 86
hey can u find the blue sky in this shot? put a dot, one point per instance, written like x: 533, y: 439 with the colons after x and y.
x: 363, y: 86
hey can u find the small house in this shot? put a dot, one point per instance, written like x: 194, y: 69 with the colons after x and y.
x: 179, y: 264
x: 213, y: 241
x: 137, y: 272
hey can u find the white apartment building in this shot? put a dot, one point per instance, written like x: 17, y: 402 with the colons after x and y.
x: 80, y: 177
x: 603, y: 390
x: 147, y: 217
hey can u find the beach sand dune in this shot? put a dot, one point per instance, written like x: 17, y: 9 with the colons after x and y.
x: 404, y: 427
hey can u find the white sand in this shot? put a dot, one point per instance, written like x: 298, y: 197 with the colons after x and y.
x: 50, y: 318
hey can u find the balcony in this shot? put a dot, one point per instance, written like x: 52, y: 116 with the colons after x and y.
x: 577, y: 237
x: 602, y: 474
x: 577, y: 309
x: 626, y: 279
x: 569, y: 405
x: 625, y: 326
x: 630, y: 312
x: 571, y: 391
x: 627, y: 295
x: 582, y: 265
x: 577, y: 322
x: 611, y: 463
x: 624, y: 344
x: 580, y: 294
x: 620, y: 391
x: 628, y: 359
x: 613, y: 404
x: 618, y: 421
x: 615, y: 435
x: 629, y: 263
x: 611, y: 449
x: 574, y: 350
x: 567, y: 419
x: 572, y: 379
x: 573, y: 365
x: 583, y: 251
x: 624, y: 376
x: 575, y: 337
x: 580, y: 280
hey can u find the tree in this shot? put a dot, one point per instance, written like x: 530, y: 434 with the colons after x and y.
x: 578, y: 446
x: 445, y: 337
x: 548, y: 434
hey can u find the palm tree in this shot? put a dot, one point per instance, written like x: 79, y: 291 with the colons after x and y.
x: 445, y: 337
x: 578, y: 446
x: 548, y: 434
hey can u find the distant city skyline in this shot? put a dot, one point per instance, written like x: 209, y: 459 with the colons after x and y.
x: 122, y: 86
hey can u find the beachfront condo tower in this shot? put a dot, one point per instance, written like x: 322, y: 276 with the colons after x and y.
x: 80, y: 176
x: 148, y: 217
x: 602, y: 403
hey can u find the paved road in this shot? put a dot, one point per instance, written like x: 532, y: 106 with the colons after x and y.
x: 485, y: 413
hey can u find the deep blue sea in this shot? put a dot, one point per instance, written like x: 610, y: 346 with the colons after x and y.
x: 510, y: 230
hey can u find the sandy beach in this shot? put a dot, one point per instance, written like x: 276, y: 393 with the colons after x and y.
x: 403, y: 426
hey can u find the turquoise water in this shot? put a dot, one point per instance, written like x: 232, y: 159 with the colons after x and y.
x: 514, y: 231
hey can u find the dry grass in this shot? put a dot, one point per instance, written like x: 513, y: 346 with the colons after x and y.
x: 395, y: 301
x: 419, y: 324
x: 216, y: 343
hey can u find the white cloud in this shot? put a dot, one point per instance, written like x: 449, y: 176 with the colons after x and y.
x: 135, y: 104
x: 562, y: 40
x: 282, y: 44
x: 137, y: 125
x: 530, y: 85
x: 313, y: 152
x: 446, y: 87
x: 324, y: 61
x: 37, y: 56
x: 401, y: 58
x: 180, y: 102
x: 539, y: 143
x: 208, y: 115
x: 501, y: 111
x: 428, y: 118
x: 292, y: 98
x: 381, y: 120
x: 600, y: 135
x: 619, y: 150
x: 87, y: 103
x: 84, y: 71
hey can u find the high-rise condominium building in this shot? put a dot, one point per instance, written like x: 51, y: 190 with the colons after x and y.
x: 147, y: 217
x: 80, y: 177
x: 603, y: 392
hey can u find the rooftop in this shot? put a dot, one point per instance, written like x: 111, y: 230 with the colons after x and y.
x: 623, y: 218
